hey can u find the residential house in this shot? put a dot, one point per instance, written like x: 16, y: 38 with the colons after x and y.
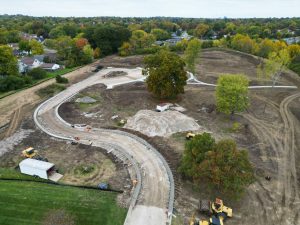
x: 50, y: 57
x: 39, y: 57
x: 50, y: 66
x: 174, y: 39
x: 292, y: 40
x: 28, y: 63
x: 29, y: 37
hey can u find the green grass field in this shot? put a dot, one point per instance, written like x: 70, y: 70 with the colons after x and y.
x: 27, y: 202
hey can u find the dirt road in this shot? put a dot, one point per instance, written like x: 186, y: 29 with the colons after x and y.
x: 154, y: 199
x: 281, y: 202
x: 14, y: 102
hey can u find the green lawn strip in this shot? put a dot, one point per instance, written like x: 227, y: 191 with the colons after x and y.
x: 8, y: 173
x: 61, y: 72
x: 50, y: 75
x: 30, y: 202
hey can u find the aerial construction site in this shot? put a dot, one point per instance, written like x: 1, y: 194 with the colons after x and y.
x: 105, y: 131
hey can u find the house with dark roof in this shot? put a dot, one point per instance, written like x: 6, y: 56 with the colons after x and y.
x: 28, y: 63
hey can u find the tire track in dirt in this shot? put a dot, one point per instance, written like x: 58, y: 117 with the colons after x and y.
x: 291, y: 194
x: 284, y: 201
x: 14, y: 123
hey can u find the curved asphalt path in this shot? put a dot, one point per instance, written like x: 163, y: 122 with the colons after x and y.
x: 153, y: 196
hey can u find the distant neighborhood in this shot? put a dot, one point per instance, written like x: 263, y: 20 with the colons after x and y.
x: 28, y: 61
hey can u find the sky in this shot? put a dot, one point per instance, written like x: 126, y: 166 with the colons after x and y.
x: 151, y: 8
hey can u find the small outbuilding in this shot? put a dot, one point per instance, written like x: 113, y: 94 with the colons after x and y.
x: 38, y: 168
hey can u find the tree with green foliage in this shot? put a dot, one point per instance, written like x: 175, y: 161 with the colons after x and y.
x: 167, y: 76
x: 194, y: 153
x: 180, y: 46
x: 192, y: 53
x: 275, y: 65
x: 57, y: 32
x: 141, y: 39
x: 108, y: 38
x: 266, y: 47
x: 88, y: 54
x: 201, y: 30
x: 37, y: 73
x: 160, y: 34
x: 36, y: 47
x: 24, y: 46
x: 220, y: 164
x: 232, y: 93
x: 226, y: 168
x: 244, y: 43
x: 8, y: 62
x: 11, y: 82
x: 125, y: 49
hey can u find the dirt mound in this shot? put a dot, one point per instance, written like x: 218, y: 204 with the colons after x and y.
x: 166, y: 123
x: 116, y: 74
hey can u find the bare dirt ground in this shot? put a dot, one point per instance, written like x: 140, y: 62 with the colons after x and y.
x: 70, y: 159
x: 111, y: 102
x: 269, y: 130
x: 214, y: 62
x: 12, y: 107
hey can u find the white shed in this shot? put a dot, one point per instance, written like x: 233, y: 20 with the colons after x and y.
x: 38, y: 168
x: 163, y: 107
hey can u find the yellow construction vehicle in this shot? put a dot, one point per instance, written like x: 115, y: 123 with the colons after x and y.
x: 29, y: 152
x: 219, y: 207
x: 190, y: 135
x: 218, y: 212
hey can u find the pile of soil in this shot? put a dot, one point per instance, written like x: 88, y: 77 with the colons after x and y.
x: 166, y: 123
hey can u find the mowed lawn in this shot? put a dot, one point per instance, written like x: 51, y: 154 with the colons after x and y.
x: 33, y: 203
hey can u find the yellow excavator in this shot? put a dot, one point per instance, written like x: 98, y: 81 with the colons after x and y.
x: 29, y: 152
x: 217, y: 210
x: 33, y: 154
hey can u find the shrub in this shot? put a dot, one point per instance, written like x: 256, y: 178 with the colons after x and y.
x: 10, y: 83
x: 61, y: 80
x: 37, y: 73
x: 27, y: 80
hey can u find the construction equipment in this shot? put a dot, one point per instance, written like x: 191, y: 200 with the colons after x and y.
x: 218, y: 207
x: 33, y: 154
x: 218, y: 212
x: 193, y: 221
x: 190, y: 135
x: 29, y: 152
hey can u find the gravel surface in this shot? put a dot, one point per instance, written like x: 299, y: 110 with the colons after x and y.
x: 166, y: 123
x: 9, y: 143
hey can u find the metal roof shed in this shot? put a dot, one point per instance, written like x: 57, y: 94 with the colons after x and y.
x: 35, y: 167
